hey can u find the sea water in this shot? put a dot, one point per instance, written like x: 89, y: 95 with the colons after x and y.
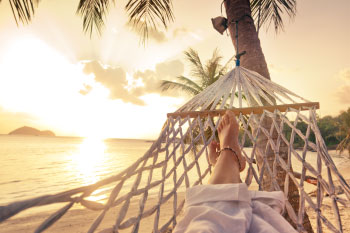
x: 33, y: 166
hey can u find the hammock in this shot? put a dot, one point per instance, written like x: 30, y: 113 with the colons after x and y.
x: 179, y: 159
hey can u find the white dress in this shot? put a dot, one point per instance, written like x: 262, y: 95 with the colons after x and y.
x: 232, y: 208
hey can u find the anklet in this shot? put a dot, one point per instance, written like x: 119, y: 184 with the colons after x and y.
x: 234, y: 152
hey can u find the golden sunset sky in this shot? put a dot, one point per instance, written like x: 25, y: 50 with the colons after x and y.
x: 53, y: 76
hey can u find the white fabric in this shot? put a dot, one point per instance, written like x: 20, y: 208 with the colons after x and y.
x: 232, y: 208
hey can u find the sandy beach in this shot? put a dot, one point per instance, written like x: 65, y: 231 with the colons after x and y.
x: 80, y: 220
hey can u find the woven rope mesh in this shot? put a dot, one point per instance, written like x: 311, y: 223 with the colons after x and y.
x: 140, y: 197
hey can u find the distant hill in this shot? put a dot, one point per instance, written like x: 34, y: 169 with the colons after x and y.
x: 25, y: 130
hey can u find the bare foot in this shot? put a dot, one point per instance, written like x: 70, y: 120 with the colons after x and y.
x: 214, y: 147
x: 228, y: 134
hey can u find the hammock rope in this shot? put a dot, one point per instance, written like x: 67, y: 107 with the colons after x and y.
x: 178, y: 159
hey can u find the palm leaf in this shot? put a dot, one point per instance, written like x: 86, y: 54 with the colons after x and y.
x: 166, y: 85
x: 189, y: 83
x: 344, y: 131
x: 225, y: 67
x: 212, y: 68
x: 272, y: 11
x: 23, y: 10
x: 344, y: 145
x: 93, y: 13
x: 146, y: 14
x: 197, y: 69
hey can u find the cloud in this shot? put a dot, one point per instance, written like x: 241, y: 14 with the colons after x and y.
x: 157, y: 35
x: 154, y: 34
x: 180, y: 31
x: 345, y: 74
x: 143, y: 82
x: 86, y: 90
x: 114, y: 79
x: 163, y: 71
x: 161, y: 36
x: 343, y: 95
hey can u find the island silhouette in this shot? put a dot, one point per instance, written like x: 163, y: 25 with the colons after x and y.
x: 25, y: 130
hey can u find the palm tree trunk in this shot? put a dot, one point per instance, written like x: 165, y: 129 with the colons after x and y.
x: 255, y: 60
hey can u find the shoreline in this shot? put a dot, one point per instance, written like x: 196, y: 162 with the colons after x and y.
x: 80, y: 219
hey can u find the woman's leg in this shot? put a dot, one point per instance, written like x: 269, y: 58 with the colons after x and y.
x: 226, y: 169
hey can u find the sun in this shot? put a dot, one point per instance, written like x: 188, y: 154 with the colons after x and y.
x: 34, y: 75
x: 38, y: 80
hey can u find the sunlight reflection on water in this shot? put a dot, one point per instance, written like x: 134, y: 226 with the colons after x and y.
x: 88, y: 159
x: 35, y: 166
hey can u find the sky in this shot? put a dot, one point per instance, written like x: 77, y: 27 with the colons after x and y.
x: 53, y: 76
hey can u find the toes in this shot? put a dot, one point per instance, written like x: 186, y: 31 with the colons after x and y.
x: 213, y: 155
x: 242, y: 162
x: 226, y: 120
x: 230, y: 114
x: 232, y: 118
x: 221, y: 124
x: 212, y: 146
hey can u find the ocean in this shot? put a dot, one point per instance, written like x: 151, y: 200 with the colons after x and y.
x: 33, y: 166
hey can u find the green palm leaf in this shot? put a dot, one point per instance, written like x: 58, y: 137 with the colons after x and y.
x: 205, y: 76
x: 344, y: 131
x: 189, y: 83
x: 271, y: 11
x: 197, y: 69
x: 93, y: 13
x: 225, y: 67
x: 212, y: 68
x: 146, y: 14
x: 166, y: 85
x: 23, y: 10
x: 344, y: 144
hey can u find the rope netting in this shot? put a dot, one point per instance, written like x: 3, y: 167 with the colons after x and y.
x: 149, y: 194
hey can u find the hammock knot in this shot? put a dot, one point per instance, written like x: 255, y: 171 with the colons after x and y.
x: 77, y: 199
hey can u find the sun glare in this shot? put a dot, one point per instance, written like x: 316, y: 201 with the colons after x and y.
x: 39, y: 81
x: 35, y: 77
x: 88, y: 160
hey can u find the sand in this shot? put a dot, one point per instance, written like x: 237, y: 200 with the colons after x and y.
x: 79, y: 220
x: 328, y: 212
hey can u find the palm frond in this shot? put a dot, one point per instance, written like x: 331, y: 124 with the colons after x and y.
x: 23, y: 10
x: 93, y: 13
x: 272, y: 11
x: 197, y: 69
x: 213, y: 67
x: 166, y: 85
x: 225, y: 67
x: 344, y: 145
x: 344, y: 131
x: 189, y: 83
x: 146, y: 14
